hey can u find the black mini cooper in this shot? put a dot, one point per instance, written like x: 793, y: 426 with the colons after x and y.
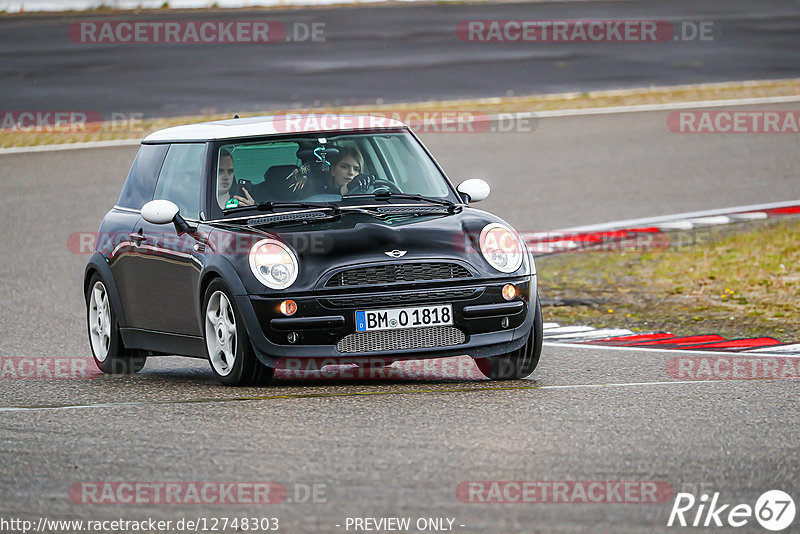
x: 260, y: 243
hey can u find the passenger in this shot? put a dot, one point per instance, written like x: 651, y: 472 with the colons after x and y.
x: 226, y: 180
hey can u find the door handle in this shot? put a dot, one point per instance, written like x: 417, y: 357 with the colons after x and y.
x: 138, y: 238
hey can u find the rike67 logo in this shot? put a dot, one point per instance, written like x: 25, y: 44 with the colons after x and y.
x: 774, y: 510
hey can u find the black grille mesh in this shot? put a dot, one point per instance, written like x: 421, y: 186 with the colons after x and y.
x: 397, y: 272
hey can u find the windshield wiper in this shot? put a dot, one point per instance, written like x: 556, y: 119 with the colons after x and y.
x: 386, y: 195
x: 272, y: 205
x: 304, y: 217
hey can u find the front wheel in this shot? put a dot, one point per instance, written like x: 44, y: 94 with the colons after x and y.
x: 110, y: 355
x: 521, y: 362
x: 227, y: 344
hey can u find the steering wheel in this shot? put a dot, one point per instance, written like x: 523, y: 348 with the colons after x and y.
x: 384, y: 185
x: 368, y: 183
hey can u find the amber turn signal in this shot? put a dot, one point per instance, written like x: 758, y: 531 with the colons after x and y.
x: 509, y: 291
x: 288, y: 307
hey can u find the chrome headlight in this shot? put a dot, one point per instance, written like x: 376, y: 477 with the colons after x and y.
x: 501, y: 247
x: 273, y: 263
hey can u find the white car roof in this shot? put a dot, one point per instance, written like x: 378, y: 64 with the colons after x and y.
x: 272, y: 125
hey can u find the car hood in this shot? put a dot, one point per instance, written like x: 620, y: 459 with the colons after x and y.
x: 361, y: 239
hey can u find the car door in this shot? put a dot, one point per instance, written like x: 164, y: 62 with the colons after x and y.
x: 118, y: 225
x: 166, y: 268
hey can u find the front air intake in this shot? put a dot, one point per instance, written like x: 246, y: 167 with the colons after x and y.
x: 410, y: 338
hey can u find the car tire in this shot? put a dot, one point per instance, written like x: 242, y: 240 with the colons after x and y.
x: 521, y: 362
x: 110, y: 355
x: 228, y: 346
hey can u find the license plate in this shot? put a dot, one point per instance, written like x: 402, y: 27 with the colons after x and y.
x: 395, y: 318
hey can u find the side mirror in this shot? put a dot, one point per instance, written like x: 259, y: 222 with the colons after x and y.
x: 159, y: 211
x: 473, y: 190
x: 165, y: 212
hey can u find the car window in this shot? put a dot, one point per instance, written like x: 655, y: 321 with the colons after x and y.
x: 181, y: 178
x: 315, y: 168
x: 141, y: 182
x: 410, y: 166
x: 371, y: 160
x: 252, y: 161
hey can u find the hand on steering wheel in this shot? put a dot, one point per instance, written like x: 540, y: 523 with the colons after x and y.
x: 384, y: 185
x: 361, y: 184
x: 369, y: 183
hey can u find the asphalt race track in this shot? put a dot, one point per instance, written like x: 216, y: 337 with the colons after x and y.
x: 394, y: 54
x: 404, y: 453
x: 398, y: 447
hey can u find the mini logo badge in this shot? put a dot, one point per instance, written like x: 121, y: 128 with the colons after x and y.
x: 396, y: 253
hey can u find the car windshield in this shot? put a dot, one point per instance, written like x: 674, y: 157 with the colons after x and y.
x: 337, y: 169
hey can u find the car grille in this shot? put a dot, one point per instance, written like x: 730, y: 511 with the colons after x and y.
x: 411, y: 338
x: 434, y: 295
x: 397, y: 272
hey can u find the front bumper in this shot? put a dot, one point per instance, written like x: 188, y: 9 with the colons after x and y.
x: 484, y: 324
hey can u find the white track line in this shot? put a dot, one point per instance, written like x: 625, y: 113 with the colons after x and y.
x: 752, y: 216
x: 593, y: 335
x: 676, y: 225
x: 674, y: 352
x: 577, y: 112
x: 697, y: 104
x: 664, y: 383
x: 70, y: 146
x: 711, y: 221
x: 678, y: 217
x: 567, y: 330
x: 777, y: 349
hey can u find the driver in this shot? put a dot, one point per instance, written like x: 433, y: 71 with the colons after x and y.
x: 345, y: 167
